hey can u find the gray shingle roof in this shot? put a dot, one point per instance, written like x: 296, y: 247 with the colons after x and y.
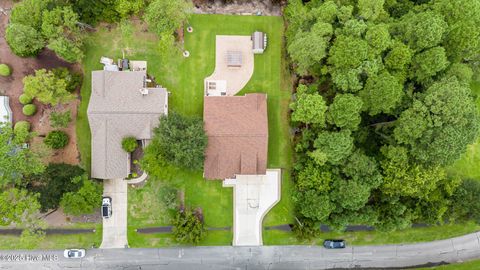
x: 116, y: 110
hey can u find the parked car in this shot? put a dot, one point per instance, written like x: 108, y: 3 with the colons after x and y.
x: 334, y: 244
x: 106, y: 207
x: 74, y: 253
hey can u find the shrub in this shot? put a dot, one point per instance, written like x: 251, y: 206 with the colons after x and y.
x: 25, y: 99
x: 22, y: 131
x: 29, y: 109
x: 5, y: 70
x: 129, y: 144
x: 60, y: 119
x: 188, y: 228
x: 56, y: 139
x: 24, y: 40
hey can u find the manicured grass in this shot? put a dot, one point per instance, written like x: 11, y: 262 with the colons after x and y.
x: 58, y: 241
x: 377, y: 238
x: 472, y: 265
x: 467, y: 166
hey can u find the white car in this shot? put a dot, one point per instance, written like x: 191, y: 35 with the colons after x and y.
x: 74, y: 253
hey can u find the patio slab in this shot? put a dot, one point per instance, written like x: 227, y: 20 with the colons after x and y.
x: 236, y: 51
x: 253, y: 197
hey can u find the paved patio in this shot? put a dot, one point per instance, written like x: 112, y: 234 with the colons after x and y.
x: 232, y: 78
x: 253, y: 197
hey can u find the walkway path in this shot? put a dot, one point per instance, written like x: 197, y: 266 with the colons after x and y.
x: 453, y: 250
x: 115, y: 227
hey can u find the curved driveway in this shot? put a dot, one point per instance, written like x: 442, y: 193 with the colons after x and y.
x: 267, y: 257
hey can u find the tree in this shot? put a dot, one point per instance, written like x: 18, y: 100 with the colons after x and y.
x: 188, y: 228
x: 55, y: 181
x: 382, y: 93
x: 83, y: 201
x: 166, y: 16
x: 313, y: 177
x: 29, y: 109
x: 309, y: 109
x: 309, y: 48
x: 345, y: 110
x: 60, y: 119
x: 5, y: 70
x: 370, y: 9
x: 22, y: 131
x: 466, y: 201
x: 336, y: 145
x: 129, y: 7
x: 129, y: 144
x: 363, y: 169
x: 378, y: 37
x: 16, y: 162
x: 24, y: 40
x: 314, y: 205
x: 29, y: 13
x: 67, y: 50
x: 399, y: 56
x: 441, y: 123
x: 46, y: 87
x: 351, y: 195
x: 56, y: 139
x: 462, y: 72
x: 428, y: 63
x: 423, y: 30
x: 347, y: 54
x: 179, y: 141
x: 401, y: 178
x: 18, y: 206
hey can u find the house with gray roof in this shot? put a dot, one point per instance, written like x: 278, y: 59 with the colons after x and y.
x: 121, y: 105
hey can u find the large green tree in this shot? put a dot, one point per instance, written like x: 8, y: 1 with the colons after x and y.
x: 167, y: 16
x: 382, y: 93
x: 178, y: 140
x: 47, y: 87
x: 309, y: 109
x: 24, y: 40
x: 83, y: 201
x: 345, y: 111
x: 16, y: 161
x: 18, y: 206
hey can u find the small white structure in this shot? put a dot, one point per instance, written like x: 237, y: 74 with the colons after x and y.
x: 259, y: 42
x: 109, y: 67
x: 216, y: 87
x: 5, y: 111
x: 106, y: 61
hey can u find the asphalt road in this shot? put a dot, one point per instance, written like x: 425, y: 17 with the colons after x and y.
x: 267, y: 257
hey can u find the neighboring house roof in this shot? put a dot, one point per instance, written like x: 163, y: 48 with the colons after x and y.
x: 5, y: 111
x: 237, y: 130
x: 117, y: 109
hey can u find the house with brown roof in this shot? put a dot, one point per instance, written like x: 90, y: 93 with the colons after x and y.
x: 121, y: 105
x: 237, y: 130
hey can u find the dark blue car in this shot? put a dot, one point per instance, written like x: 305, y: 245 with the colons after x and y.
x: 334, y: 243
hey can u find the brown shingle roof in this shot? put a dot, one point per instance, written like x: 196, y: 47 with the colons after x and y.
x: 237, y: 130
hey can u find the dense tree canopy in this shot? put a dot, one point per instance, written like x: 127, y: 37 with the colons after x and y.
x: 166, y: 16
x: 387, y: 107
x: 85, y: 200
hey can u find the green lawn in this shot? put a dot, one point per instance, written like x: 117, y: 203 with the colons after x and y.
x: 472, y: 265
x: 58, y: 241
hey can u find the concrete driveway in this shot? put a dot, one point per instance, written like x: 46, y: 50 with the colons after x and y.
x: 253, y: 197
x: 115, y: 227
